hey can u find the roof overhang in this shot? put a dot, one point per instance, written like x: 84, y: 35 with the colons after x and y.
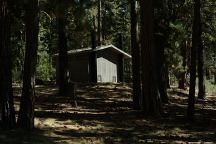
x: 99, y: 48
x: 126, y: 55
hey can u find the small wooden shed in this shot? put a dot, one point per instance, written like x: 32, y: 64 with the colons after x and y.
x: 102, y: 64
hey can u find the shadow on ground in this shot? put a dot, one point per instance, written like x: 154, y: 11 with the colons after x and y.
x: 104, y: 115
x: 35, y: 136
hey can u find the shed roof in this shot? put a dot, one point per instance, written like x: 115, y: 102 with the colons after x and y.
x: 112, y: 47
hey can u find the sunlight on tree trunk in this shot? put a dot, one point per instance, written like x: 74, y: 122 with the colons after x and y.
x: 135, y: 50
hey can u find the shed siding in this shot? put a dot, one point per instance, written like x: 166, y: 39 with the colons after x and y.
x: 109, y: 66
x: 79, y: 68
x: 107, y: 63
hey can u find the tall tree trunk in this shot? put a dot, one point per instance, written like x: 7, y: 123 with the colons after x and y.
x: 182, y: 75
x: 160, y: 39
x: 160, y: 59
x: 195, y: 45
x: 6, y: 92
x: 93, y: 55
x: 99, y: 23
x: 135, y: 50
x: 201, y: 67
x: 26, y: 112
x: 120, y: 60
x: 63, y: 57
x: 151, y: 102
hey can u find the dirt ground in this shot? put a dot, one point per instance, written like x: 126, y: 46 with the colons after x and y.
x: 104, y: 115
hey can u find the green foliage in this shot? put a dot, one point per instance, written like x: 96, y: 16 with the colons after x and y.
x: 180, y: 33
x: 209, y: 32
x: 45, y: 69
x: 174, y: 19
x: 18, y: 48
x: 210, y: 87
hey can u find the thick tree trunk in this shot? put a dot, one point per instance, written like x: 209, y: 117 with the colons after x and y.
x: 63, y: 57
x: 195, y: 45
x: 201, y: 70
x: 26, y: 112
x: 135, y: 50
x: 160, y: 39
x: 6, y: 92
x: 151, y: 102
x: 161, y: 75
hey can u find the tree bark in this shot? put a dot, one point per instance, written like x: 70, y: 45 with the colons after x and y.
x: 63, y: 57
x: 207, y: 73
x: 151, y: 102
x: 99, y: 23
x: 160, y: 39
x: 195, y: 45
x: 135, y: 50
x: 6, y: 92
x: 182, y: 75
x: 201, y: 67
x: 120, y: 60
x: 167, y: 75
x: 93, y: 54
x: 26, y: 112
x: 160, y: 59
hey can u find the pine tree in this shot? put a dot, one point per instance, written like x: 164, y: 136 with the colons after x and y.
x: 62, y: 45
x: 151, y: 102
x: 6, y: 92
x: 26, y: 112
x: 195, y: 45
x: 135, y: 50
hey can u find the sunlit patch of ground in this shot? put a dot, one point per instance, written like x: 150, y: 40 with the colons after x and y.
x: 104, y: 115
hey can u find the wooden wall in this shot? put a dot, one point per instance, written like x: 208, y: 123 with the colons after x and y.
x: 79, y: 67
x: 107, y: 66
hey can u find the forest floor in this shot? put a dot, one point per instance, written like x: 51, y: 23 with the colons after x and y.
x: 104, y: 115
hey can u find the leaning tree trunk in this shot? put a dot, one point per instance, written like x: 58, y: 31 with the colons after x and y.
x: 151, y: 102
x: 63, y: 57
x: 26, y: 112
x: 6, y: 92
x: 195, y: 45
x: 135, y: 49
